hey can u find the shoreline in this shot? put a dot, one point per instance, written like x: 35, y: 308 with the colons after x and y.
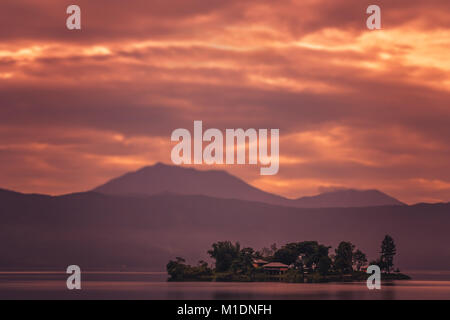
x: 291, y: 277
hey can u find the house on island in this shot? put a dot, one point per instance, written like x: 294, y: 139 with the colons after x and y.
x: 275, y: 268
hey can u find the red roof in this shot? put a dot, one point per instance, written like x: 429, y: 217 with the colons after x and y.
x: 259, y: 261
x: 275, y: 265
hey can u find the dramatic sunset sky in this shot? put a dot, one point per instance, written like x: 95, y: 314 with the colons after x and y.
x: 355, y: 108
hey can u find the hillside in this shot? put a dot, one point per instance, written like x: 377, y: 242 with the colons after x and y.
x: 101, y: 231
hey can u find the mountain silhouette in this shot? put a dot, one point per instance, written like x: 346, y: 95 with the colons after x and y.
x: 162, y: 178
x: 348, y: 198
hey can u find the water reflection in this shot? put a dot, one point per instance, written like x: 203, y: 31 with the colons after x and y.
x: 134, y: 285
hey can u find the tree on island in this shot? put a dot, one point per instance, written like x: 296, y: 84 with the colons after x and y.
x: 225, y: 253
x: 244, y: 262
x: 305, y: 254
x: 287, y: 254
x: 359, y: 259
x: 312, y: 253
x: 178, y: 270
x: 388, y: 251
x: 344, y: 257
x: 324, y: 265
x: 306, y: 261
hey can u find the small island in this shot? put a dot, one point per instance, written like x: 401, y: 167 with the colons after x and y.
x: 296, y: 262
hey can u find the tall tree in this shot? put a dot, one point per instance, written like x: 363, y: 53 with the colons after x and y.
x: 176, y: 269
x: 324, y: 265
x: 388, y: 251
x: 359, y: 259
x: 287, y: 254
x: 224, y: 252
x: 344, y: 257
x: 310, y: 252
x: 244, y: 261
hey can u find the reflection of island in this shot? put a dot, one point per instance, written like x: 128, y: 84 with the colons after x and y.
x: 306, y: 261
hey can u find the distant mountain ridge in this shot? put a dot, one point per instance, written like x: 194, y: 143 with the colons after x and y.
x: 162, y: 178
x: 98, y: 231
x: 348, y: 198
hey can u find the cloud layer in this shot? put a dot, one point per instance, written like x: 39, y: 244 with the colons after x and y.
x: 355, y: 108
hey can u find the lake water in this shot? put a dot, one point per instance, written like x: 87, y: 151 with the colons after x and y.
x: 152, y: 285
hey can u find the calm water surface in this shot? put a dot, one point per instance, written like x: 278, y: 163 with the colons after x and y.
x: 152, y: 285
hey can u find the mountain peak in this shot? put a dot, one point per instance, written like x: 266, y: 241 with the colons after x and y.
x: 163, y: 178
x: 175, y: 168
x: 349, y: 198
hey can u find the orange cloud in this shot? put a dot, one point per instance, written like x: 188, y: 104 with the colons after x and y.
x: 355, y: 108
